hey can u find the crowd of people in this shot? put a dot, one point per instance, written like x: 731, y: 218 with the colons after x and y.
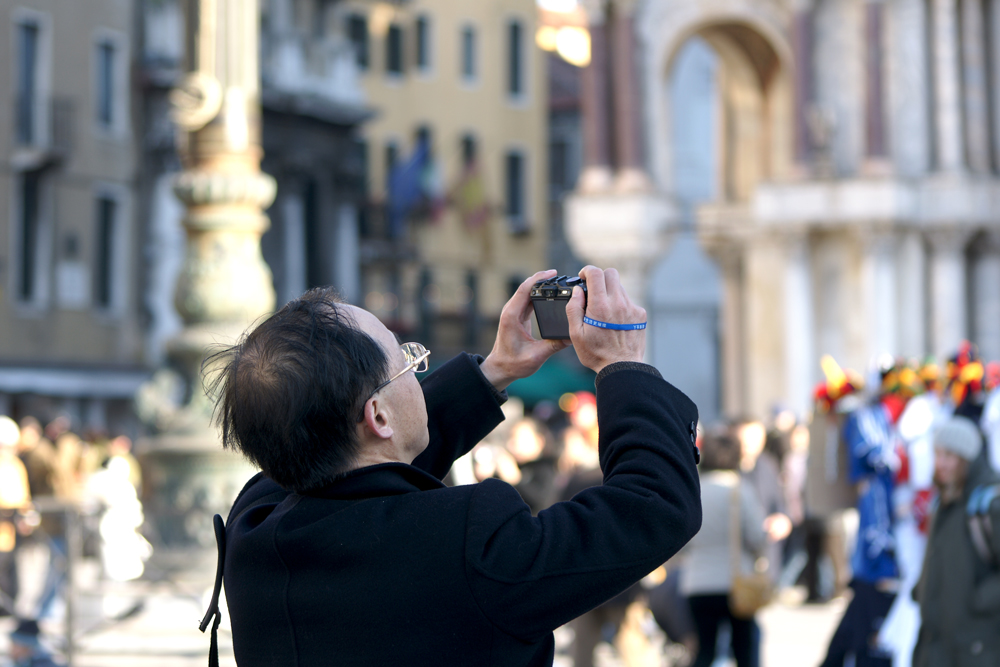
x: 854, y: 501
x: 50, y: 476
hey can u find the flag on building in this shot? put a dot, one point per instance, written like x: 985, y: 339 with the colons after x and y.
x: 406, y: 188
x: 469, y: 198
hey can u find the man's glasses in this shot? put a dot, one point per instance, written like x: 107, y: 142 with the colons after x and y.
x: 416, y: 356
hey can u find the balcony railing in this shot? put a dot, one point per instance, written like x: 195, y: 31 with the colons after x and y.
x: 43, y: 130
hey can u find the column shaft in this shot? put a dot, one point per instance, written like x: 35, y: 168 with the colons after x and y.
x: 947, y: 82
x: 977, y: 121
x: 880, y: 292
x: 628, y: 131
x: 911, y: 286
x: 875, y: 135
x: 594, y: 107
x: 986, y: 296
x: 949, y: 315
x: 802, y: 47
x: 730, y: 263
x: 994, y: 57
x: 800, y: 357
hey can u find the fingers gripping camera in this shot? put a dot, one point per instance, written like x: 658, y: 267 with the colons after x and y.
x: 549, y: 299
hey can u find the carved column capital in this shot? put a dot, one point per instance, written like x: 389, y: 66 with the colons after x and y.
x: 949, y: 240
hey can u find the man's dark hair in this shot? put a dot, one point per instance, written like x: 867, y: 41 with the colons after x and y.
x: 290, y: 391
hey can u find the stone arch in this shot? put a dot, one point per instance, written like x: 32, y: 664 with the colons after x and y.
x: 756, y: 62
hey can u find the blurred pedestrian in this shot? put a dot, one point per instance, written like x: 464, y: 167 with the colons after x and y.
x: 707, y: 571
x: 533, y: 449
x: 123, y: 550
x: 830, y: 497
x: 25, y: 648
x: 870, y: 435
x: 912, y: 497
x: 959, y: 589
x: 990, y: 422
x: 15, y: 501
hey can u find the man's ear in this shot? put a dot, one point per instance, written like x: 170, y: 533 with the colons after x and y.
x: 376, y: 419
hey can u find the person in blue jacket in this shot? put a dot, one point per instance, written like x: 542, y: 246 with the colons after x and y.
x: 349, y: 550
x: 870, y: 435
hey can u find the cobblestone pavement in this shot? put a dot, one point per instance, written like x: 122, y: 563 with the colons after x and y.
x: 163, y: 633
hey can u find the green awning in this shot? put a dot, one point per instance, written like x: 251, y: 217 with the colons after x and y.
x: 552, y: 380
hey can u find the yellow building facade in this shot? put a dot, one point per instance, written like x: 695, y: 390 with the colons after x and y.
x: 468, y: 79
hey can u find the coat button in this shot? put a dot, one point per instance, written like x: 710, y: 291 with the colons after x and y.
x: 976, y: 648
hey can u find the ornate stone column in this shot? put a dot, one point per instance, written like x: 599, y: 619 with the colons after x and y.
x: 880, y: 292
x: 631, y: 175
x: 224, y: 283
x: 800, y: 354
x: 974, y: 72
x: 949, y: 315
x: 986, y: 295
x: 947, y: 81
x: 595, y: 109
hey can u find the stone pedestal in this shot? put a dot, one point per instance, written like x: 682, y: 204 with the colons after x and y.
x: 624, y: 231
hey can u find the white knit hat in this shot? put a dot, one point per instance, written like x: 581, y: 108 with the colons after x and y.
x: 961, y: 436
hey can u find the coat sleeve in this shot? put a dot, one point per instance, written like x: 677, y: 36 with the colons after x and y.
x: 462, y: 409
x: 752, y: 522
x: 530, y: 575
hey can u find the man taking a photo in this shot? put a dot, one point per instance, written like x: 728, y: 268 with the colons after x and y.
x: 349, y: 550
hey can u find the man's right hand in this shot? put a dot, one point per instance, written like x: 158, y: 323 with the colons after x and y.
x: 606, y: 302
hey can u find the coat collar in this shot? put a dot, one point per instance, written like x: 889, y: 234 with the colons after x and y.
x: 385, y: 479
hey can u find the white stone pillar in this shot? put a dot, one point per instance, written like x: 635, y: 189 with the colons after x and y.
x: 949, y: 315
x: 800, y: 356
x: 986, y: 295
x: 947, y: 82
x: 977, y: 112
x: 880, y: 293
x: 911, y: 285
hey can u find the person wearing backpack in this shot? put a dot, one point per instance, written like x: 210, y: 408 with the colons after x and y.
x: 959, y: 588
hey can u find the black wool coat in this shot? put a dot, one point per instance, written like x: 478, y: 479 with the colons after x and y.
x: 388, y: 566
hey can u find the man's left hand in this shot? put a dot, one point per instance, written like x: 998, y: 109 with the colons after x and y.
x: 516, y: 353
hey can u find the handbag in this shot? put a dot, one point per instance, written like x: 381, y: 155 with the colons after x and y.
x: 748, y: 593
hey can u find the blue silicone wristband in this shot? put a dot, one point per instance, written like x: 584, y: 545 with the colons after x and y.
x: 616, y: 327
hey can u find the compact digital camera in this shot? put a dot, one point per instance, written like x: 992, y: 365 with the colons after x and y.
x: 549, y: 299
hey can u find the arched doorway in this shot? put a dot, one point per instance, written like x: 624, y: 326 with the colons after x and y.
x: 720, y: 119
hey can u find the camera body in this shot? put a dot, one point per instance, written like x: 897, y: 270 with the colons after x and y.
x: 549, y: 299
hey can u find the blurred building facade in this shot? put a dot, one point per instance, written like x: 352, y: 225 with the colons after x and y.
x: 466, y: 80
x: 71, y: 322
x: 853, y: 151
